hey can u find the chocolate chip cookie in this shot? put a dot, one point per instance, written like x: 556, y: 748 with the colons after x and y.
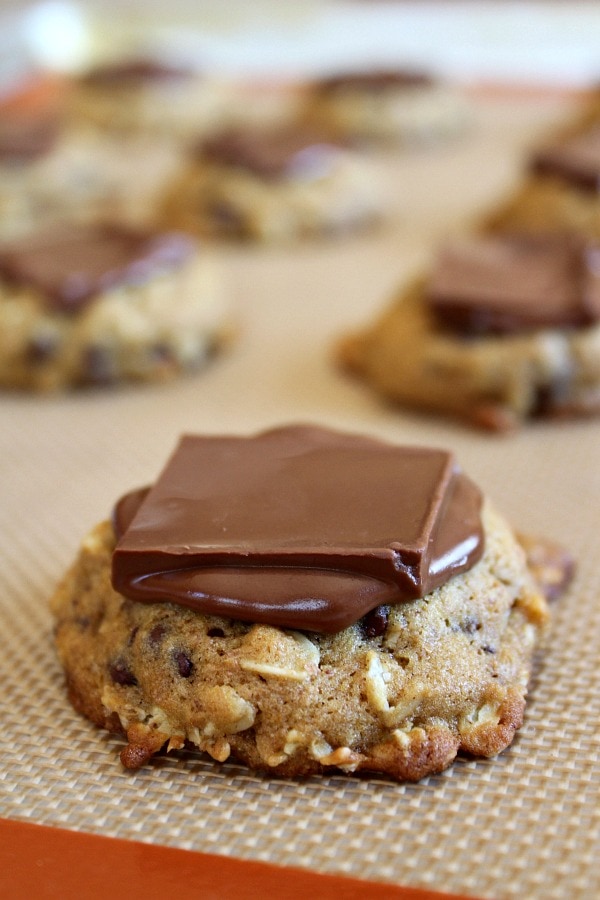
x: 273, y: 185
x: 504, y: 329
x: 560, y: 193
x: 304, y: 601
x: 147, y: 95
x: 100, y: 305
x: 52, y: 172
x: 389, y: 107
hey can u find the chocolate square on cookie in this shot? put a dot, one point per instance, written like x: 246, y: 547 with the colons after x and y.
x: 107, y: 304
x: 305, y: 600
x: 561, y: 194
x: 298, y: 527
x: 505, y: 328
x: 385, y: 107
x: 273, y: 184
x: 514, y: 284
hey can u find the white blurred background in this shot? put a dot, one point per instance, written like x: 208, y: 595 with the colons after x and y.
x: 556, y: 43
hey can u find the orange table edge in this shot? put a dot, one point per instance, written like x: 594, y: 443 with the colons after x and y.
x: 49, y: 863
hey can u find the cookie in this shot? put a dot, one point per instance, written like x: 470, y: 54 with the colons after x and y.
x: 560, y: 194
x: 148, y: 96
x: 99, y: 305
x: 304, y: 601
x: 52, y: 172
x: 505, y: 329
x: 273, y: 185
x: 385, y: 107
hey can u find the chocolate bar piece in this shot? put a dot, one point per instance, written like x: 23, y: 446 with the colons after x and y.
x: 375, y: 81
x: 510, y: 284
x: 272, y: 153
x: 135, y: 72
x: 301, y: 527
x: 575, y: 160
x: 70, y: 265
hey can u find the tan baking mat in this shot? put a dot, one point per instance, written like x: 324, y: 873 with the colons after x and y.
x: 526, y: 824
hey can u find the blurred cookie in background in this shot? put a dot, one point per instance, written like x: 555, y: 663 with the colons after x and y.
x: 100, y: 305
x: 52, y: 171
x: 561, y: 192
x: 144, y: 94
x: 390, y: 107
x: 274, y: 184
x: 504, y: 329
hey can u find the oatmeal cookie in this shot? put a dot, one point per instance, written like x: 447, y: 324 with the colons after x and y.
x: 385, y: 107
x: 148, y: 96
x: 98, y: 305
x: 560, y: 194
x: 505, y: 329
x: 400, y: 690
x: 273, y: 185
x: 52, y: 172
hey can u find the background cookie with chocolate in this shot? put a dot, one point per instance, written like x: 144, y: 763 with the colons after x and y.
x: 147, y: 95
x: 504, y: 329
x: 101, y: 305
x: 274, y: 185
x: 54, y: 171
x: 385, y: 107
x: 560, y: 194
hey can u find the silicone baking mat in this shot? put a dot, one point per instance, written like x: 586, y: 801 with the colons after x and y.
x: 525, y: 824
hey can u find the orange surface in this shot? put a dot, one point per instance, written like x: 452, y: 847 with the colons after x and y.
x: 36, y: 94
x: 54, y: 864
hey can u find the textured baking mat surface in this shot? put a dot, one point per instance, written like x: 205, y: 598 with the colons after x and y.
x: 526, y: 824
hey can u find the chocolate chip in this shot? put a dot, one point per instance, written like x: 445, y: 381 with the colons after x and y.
x: 184, y: 664
x: 470, y: 625
x: 161, y: 353
x: 132, y: 635
x: 156, y: 634
x: 41, y: 348
x: 99, y: 365
x: 226, y: 220
x: 551, y: 397
x: 121, y: 674
x: 215, y: 632
x: 375, y: 622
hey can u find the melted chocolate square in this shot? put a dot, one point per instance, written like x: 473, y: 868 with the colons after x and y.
x: 272, y: 153
x: 300, y: 526
x: 135, y: 73
x: 575, y: 161
x: 375, y: 81
x: 70, y: 265
x: 25, y: 138
x: 515, y: 283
